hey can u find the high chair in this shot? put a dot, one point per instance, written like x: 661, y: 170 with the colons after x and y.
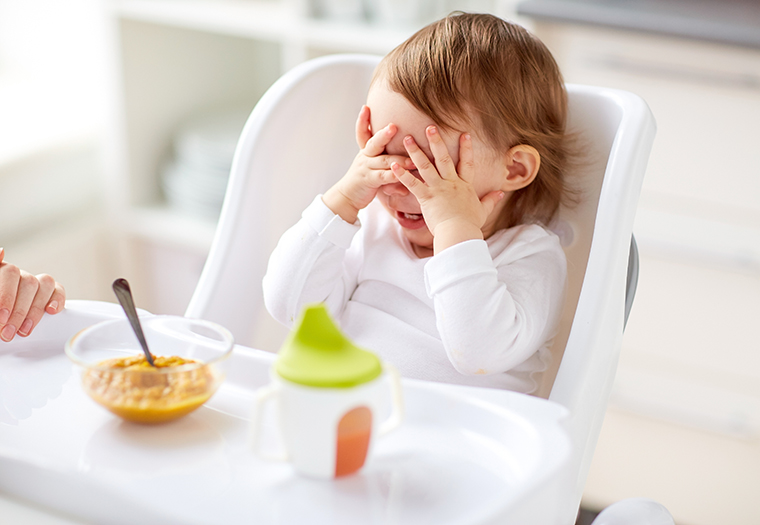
x: 299, y: 140
x: 59, y: 448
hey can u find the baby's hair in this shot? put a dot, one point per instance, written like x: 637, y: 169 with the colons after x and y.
x: 477, y: 70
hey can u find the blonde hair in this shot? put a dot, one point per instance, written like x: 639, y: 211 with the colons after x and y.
x: 479, y: 70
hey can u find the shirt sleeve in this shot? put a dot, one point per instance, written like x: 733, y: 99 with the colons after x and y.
x: 312, y: 262
x: 493, y: 313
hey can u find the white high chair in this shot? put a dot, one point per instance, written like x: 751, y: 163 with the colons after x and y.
x: 300, y: 138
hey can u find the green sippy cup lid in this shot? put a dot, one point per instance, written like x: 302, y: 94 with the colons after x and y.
x: 316, y: 353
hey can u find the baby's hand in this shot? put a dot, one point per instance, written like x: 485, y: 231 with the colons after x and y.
x: 369, y: 170
x: 452, y: 209
x: 24, y: 298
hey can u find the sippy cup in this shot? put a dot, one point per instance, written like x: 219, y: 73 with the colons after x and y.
x: 327, y: 393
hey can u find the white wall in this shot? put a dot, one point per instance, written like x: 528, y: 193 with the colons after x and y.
x: 53, y: 106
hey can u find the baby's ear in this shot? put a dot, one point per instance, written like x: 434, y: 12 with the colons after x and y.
x: 522, y: 163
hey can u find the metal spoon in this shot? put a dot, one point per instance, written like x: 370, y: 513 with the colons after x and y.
x: 124, y: 295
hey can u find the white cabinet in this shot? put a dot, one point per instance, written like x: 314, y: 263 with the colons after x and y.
x: 698, y: 223
x: 706, y: 98
x: 688, y: 386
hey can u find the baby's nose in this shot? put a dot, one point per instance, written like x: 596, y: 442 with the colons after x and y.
x: 395, y: 188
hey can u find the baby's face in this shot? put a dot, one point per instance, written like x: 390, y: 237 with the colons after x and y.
x: 387, y: 106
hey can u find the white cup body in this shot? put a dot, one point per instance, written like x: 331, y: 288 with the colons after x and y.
x: 323, y: 428
x: 309, y: 419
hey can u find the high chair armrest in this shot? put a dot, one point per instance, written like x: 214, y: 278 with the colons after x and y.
x: 634, y: 511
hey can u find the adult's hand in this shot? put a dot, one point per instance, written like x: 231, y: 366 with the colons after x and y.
x: 24, y: 299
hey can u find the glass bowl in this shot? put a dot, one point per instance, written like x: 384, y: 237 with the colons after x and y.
x: 189, y: 354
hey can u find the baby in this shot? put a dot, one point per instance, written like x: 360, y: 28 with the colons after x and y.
x: 432, y: 250
x: 24, y: 298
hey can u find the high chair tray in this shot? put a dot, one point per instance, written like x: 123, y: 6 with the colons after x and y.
x: 462, y: 455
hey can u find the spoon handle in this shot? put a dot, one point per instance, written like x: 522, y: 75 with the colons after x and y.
x: 124, y: 295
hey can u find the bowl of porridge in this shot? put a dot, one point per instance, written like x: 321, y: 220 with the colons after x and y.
x: 188, y: 367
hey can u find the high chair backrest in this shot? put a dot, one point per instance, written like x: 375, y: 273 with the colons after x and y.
x: 299, y: 140
x: 615, y: 130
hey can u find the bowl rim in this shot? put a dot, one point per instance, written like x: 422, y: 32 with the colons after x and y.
x: 149, y: 319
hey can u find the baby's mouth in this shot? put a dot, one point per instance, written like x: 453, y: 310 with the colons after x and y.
x: 411, y: 221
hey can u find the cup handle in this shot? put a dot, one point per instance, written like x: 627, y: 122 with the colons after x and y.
x: 262, y: 395
x: 397, y: 412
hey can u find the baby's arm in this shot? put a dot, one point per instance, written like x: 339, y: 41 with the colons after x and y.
x: 493, y: 315
x: 24, y: 298
x: 311, y: 263
x: 370, y: 169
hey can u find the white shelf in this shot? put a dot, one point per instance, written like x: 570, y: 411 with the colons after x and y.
x: 264, y: 20
x: 165, y: 225
x: 356, y: 37
x: 273, y: 22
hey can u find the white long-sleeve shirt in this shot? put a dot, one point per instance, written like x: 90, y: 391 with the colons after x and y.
x: 479, y: 313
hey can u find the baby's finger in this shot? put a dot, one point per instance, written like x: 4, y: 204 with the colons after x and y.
x: 443, y: 162
x: 490, y: 200
x: 37, y: 308
x: 376, y: 145
x: 466, y: 167
x: 421, y: 161
x: 384, y: 162
x: 412, y: 183
x: 27, y: 289
x: 363, y: 128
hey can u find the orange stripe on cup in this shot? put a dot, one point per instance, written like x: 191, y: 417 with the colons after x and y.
x: 354, y: 430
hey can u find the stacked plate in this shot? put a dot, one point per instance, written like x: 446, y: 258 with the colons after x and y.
x: 195, y: 179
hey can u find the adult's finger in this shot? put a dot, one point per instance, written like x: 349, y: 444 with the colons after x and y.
x: 10, y: 276
x: 57, y: 301
x: 27, y: 289
x: 37, y: 308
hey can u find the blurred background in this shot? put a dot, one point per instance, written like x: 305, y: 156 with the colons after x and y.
x: 118, y: 119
